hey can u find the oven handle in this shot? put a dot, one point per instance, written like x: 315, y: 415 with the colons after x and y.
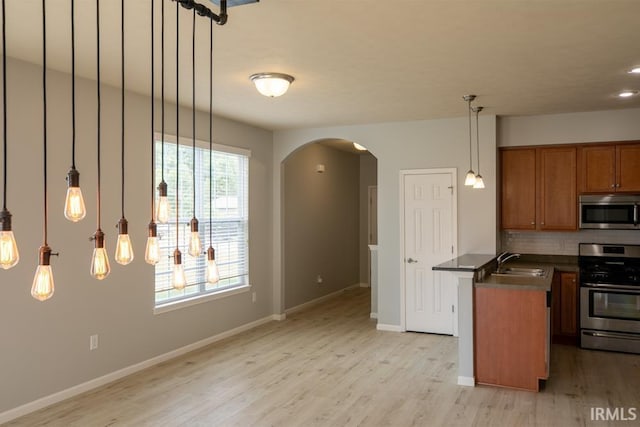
x: 613, y: 287
x: 611, y: 335
x: 635, y: 214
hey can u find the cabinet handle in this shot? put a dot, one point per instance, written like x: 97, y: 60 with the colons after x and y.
x: 533, y: 223
x: 542, y: 223
x: 613, y: 186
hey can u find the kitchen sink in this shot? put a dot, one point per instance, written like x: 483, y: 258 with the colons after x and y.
x: 520, y: 271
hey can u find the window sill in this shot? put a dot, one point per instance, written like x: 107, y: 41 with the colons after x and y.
x: 199, y: 299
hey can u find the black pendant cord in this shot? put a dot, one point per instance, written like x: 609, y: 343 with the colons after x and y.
x: 478, y: 137
x: 153, y: 151
x: 4, y: 109
x: 99, y: 218
x: 193, y: 100
x: 73, y: 86
x: 177, y: 124
x: 122, y: 104
x: 211, y: 134
x: 470, y: 145
x: 162, y: 86
x: 44, y: 117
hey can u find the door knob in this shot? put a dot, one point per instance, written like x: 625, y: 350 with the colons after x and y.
x: 411, y: 260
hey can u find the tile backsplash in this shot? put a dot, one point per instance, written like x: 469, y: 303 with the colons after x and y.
x: 563, y: 243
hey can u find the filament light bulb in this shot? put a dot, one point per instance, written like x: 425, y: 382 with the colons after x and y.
x: 43, y: 286
x: 213, y: 275
x: 9, y: 255
x: 100, y: 267
x: 74, y: 208
x: 124, y: 249
x: 152, y: 250
x: 163, y: 211
x: 178, y: 278
x: 195, y: 245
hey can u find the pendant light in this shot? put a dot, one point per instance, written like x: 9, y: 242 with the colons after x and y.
x: 152, y: 249
x: 164, y: 209
x: 195, y: 245
x: 479, y: 183
x: 213, y: 275
x: 9, y: 255
x: 470, y: 178
x: 124, y: 249
x: 178, y: 278
x: 99, y: 261
x: 74, y: 208
x: 43, y: 286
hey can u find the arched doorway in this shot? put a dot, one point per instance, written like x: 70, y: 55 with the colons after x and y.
x: 327, y: 220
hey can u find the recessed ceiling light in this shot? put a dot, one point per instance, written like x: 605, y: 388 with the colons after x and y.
x: 634, y: 70
x: 627, y: 93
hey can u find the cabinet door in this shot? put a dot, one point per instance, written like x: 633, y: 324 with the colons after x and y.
x: 558, y: 194
x: 628, y: 170
x: 598, y: 168
x: 518, y: 171
x: 568, y: 304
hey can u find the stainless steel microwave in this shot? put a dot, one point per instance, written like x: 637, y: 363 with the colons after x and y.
x: 612, y: 211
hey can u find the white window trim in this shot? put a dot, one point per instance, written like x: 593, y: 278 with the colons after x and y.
x: 199, y: 299
x: 215, y: 294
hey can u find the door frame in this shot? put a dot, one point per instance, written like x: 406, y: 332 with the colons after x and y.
x: 454, y: 225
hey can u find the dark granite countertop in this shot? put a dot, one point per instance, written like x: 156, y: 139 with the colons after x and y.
x: 466, y: 262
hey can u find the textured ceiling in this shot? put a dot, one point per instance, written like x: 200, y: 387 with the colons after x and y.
x: 363, y: 61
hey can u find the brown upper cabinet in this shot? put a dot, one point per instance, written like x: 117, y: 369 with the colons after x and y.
x: 539, y: 188
x: 610, y: 168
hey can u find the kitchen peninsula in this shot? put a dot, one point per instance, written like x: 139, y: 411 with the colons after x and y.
x: 504, y: 321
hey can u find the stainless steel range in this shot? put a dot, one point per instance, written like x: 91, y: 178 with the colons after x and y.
x: 610, y: 297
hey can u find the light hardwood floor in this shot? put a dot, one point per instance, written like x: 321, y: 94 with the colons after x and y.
x: 329, y: 366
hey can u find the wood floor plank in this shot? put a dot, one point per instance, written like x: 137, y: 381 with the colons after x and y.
x: 329, y: 366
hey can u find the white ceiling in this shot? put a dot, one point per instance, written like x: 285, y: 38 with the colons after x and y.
x: 363, y: 61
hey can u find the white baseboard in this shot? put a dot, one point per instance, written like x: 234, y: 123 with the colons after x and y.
x: 364, y: 285
x: 467, y: 381
x: 279, y: 317
x: 388, y: 328
x: 43, y: 402
x: 373, y: 315
x: 323, y: 298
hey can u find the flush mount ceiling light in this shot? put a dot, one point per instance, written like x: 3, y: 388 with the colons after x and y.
x: 359, y: 147
x: 271, y: 84
x: 627, y: 93
x: 634, y: 70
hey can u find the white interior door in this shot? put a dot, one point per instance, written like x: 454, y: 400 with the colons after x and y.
x: 429, y: 221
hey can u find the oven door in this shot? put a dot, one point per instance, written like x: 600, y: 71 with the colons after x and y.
x: 608, y: 307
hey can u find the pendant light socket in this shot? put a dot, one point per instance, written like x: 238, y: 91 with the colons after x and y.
x: 5, y: 220
x: 162, y: 189
x: 211, y: 253
x: 153, y: 229
x: 44, y: 255
x: 123, y: 226
x: 73, y: 178
x: 98, y: 239
x: 194, y: 225
x: 177, y: 257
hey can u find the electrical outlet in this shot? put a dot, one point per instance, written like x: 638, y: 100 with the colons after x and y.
x: 93, y: 342
x: 253, y: 297
x: 319, y: 279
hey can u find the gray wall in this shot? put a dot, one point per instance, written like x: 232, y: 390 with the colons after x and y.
x: 321, y: 216
x: 45, y: 345
x: 368, y: 177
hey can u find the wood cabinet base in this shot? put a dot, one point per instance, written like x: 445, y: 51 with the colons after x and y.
x: 511, y: 337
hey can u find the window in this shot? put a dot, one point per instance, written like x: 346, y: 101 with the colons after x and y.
x: 229, y: 211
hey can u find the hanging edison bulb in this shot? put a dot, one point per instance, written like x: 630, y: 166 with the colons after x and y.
x: 164, y: 209
x: 152, y: 250
x: 195, y: 245
x: 213, y: 275
x: 43, y: 287
x: 9, y: 255
x: 124, y: 249
x: 74, y: 208
x: 178, y: 278
x: 100, y: 267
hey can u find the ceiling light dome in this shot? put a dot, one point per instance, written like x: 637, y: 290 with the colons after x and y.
x: 271, y: 84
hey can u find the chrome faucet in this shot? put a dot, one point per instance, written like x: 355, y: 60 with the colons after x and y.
x: 504, y: 257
